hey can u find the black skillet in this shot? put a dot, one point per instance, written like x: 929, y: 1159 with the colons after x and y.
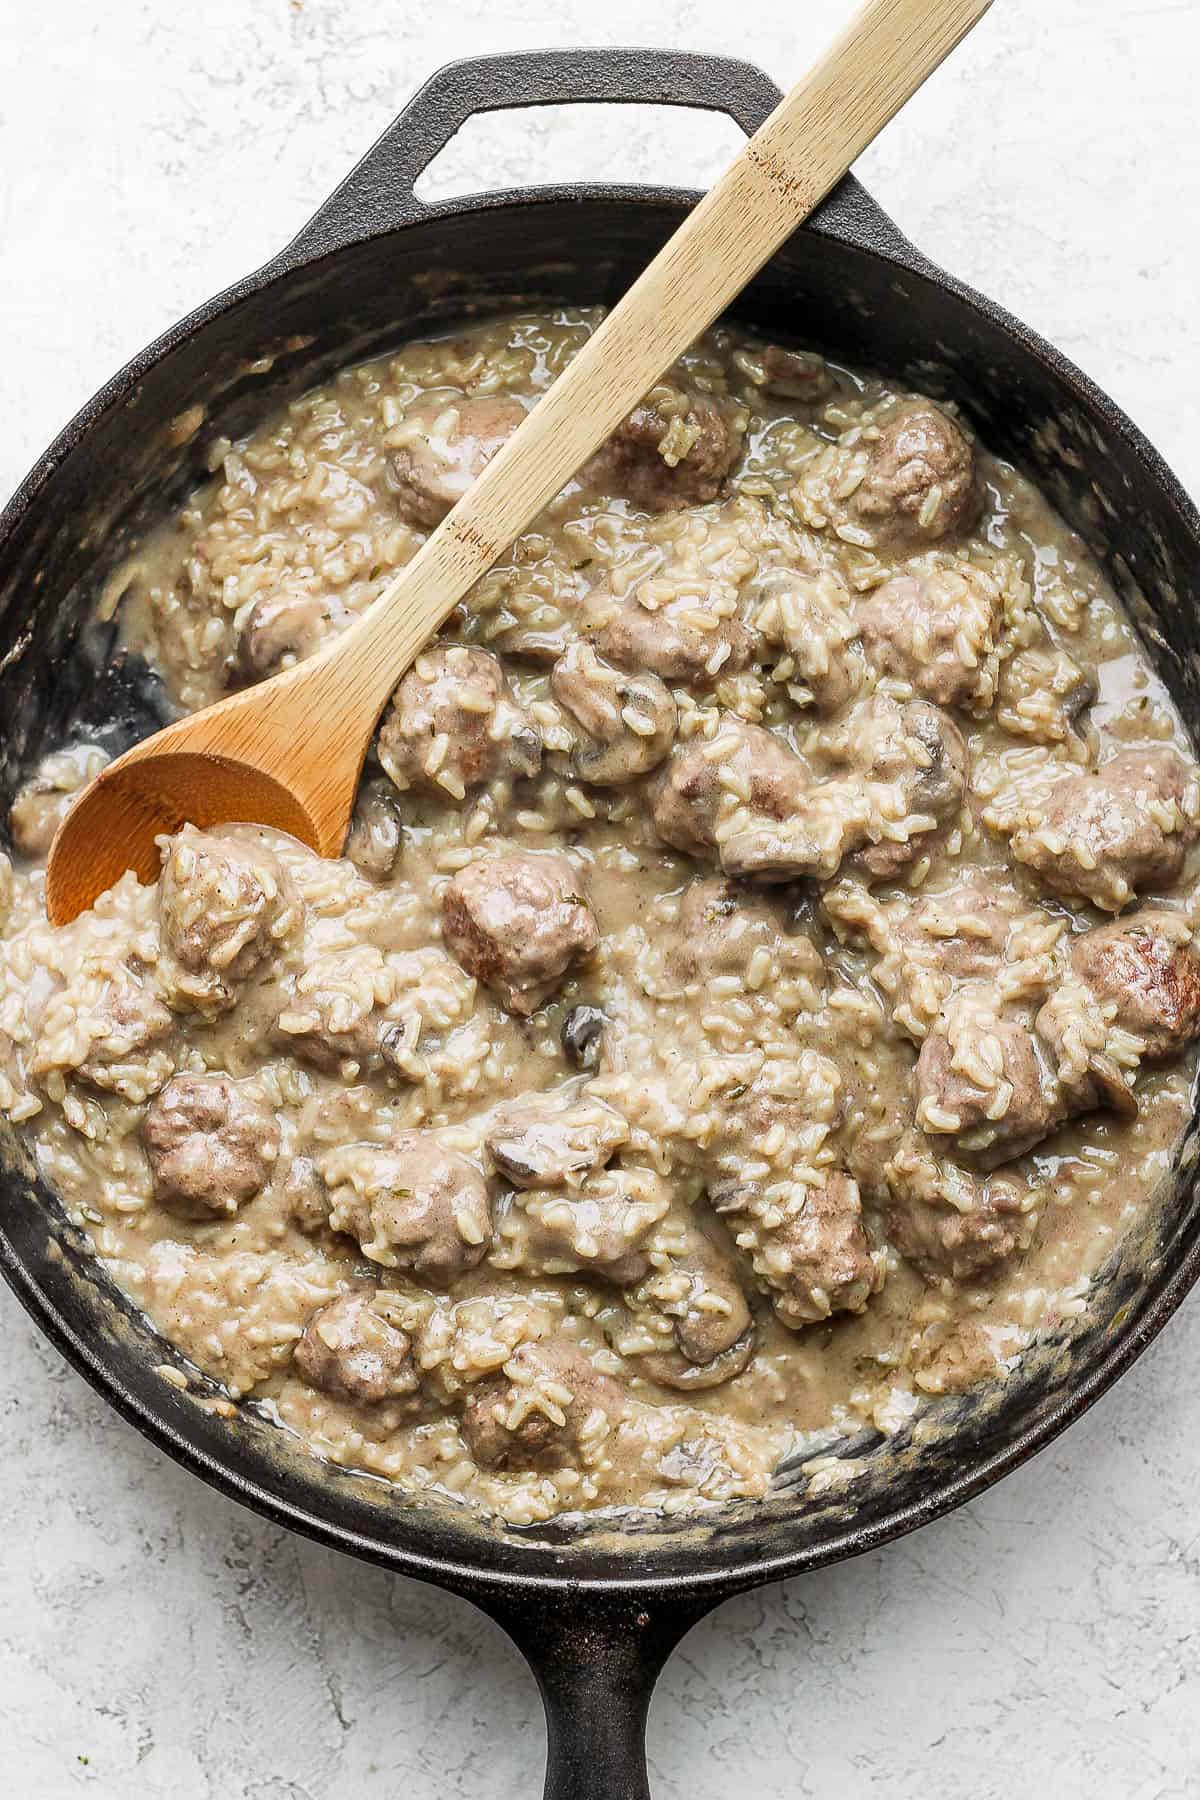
x: 595, y: 1610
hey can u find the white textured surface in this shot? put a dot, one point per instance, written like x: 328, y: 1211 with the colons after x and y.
x: 1044, y: 1640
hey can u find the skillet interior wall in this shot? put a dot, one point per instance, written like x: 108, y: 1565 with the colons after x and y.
x: 136, y: 464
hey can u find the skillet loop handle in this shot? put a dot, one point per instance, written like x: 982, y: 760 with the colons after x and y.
x: 596, y: 1660
x: 377, y: 196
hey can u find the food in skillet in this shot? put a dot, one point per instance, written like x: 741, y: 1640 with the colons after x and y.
x: 760, y: 986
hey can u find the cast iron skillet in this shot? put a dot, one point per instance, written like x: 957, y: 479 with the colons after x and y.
x: 595, y: 1608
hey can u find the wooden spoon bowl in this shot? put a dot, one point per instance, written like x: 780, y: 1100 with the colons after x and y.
x: 289, y: 752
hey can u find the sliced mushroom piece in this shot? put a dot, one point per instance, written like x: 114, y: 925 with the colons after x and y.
x: 375, y: 836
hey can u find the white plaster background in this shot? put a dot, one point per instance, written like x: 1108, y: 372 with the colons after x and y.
x: 1045, y: 1640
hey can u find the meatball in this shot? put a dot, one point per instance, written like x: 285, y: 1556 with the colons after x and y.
x: 375, y: 835
x: 811, y: 617
x: 696, y: 1302
x: 519, y: 924
x: 924, y: 759
x: 1044, y: 695
x: 549, y: 1406
x: 937, y: 632
x: 554, y: 1140
x: 1108, y: 835
x: 626, y: 722
x: 303, y: 1195
x: 226, y: 908
x: 684, y: 640
x: 921, y: 482
x: 445, y: 441
x: 1095, y: 1062
x: 674, y: 449
x: 703, y: 783
x: 1147, y: 969
x: 810, y: 1252
x: 809, y: 841
x: 942, y: 941
x: 721, y: 926
x: 363, y: 1012
x: 350, y: 1352
x: 962, y: 932
x: 953, y: 1222
x: 453, y: 725
x: 411, y: 1204
x: 283, y: 628
x: 796, y: 375
x: 211, y: 1143
x: 107, y: 1028
x: 981, y: 1079
x: 598, y: 1227
x: 908, y: 778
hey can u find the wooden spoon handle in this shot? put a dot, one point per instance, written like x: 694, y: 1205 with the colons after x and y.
x: 799, y: 153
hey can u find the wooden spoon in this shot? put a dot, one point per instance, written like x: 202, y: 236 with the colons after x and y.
x: 289, y: 752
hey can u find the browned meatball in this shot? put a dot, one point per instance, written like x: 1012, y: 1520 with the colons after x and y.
x: 375, y: 835
x: 921, y: 483
x: 927, y: 758
x: 361, y: 1012
x: 125, y: 1055
x: 935, y: 631
x: 1044, y: 694
x: 983, y: 1081
x: 550, y: 1406
x: 944, y: 939
x: 1109, y: 835
x: 626, y: 722
x: 303, y: 1195
x: 226, y: 908
x: 906, y: 779
x: 703, y: 781
x: 598, y: 1227
x: 411, y: 1204
x: 212, y: 1144
x: 668, y: 640
x: 962, y: 932
x: 109, y: 1031
x: 811, y: 616
x: 350, y: 1352
x: 448, y: 439
x: 699, y: 1307
x: 810, y: 1255
x: 453, y: 725
x: 283, y: 628
x: 950, y: 1221
x: 1148, y: 969
x: 555, y: 1139
x: 674, y: 449
x: 720, y: 926
x: 811, y: 840
x: 796, y: 375
x: 519, y: 924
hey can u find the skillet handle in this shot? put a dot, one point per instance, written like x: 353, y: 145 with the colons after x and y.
x: 377, y: 196
x: 596, y: 1659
